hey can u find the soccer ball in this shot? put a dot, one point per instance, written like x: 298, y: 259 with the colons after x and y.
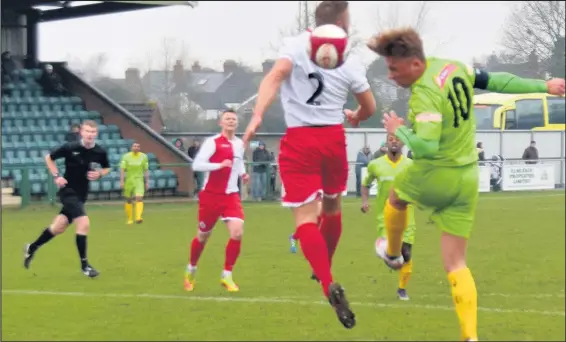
x: 381, y: 247
x: 327, y: 46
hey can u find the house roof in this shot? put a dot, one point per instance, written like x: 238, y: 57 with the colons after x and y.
x: 141, y: 110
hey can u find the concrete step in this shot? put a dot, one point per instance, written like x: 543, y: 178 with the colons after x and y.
x: 11, y: 201
x: 7, y: 191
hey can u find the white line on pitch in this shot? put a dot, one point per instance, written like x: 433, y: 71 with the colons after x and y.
x: 273, y: 300
x: 447, y: 295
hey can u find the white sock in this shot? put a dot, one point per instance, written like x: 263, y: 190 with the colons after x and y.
x: 226, y: 273
x: 191, y: 268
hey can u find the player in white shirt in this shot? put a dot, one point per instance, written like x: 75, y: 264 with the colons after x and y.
x: 312, y: 157
x: 222, y: 158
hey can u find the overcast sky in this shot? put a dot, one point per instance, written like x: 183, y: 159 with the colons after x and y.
x: 248, y: 31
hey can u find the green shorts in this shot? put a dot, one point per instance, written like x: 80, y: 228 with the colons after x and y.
x: 134, y: 189
x: 408, y: 235
x: 451, y: 192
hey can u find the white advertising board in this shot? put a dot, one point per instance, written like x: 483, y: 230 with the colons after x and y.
x: 485, y: 176
x: 528, y: 177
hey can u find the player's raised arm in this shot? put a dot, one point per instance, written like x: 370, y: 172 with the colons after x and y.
x: 506, y: 83
x: 202, y: 159
x: 361, y: 89
x: 269, y: 87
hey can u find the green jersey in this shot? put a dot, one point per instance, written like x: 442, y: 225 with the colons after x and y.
x: 135, y: 165
x: 441, y: 109
x: 383, y: 170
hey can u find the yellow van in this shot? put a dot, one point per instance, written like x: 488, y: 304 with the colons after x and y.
x: 525, y: 112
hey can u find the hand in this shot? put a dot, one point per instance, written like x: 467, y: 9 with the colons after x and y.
x: 556, y: 86
x: 365, y: 208
x: 60, y: 182
x: 226, y: 163
x: 93, y: 175
x: 251, y: 129
x: 391, y: 122
x: 146, y: 186
x: 352, y: 117
x: 245, y: 178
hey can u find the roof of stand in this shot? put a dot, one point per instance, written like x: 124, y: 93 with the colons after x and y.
x: 60, y: 10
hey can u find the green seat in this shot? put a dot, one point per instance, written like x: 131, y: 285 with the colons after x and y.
x: 95, y: 186
x: 115, y: 135
x: 9, y: 153
x: 171, y: 182
x: 106, y: 185
x: 92, y: 114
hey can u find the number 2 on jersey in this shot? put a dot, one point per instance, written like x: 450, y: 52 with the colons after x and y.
x: 318, y: 77
x: 460, y: 99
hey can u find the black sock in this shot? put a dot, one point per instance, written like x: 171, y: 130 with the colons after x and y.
x: 44, y: 238
x: 81, y: 246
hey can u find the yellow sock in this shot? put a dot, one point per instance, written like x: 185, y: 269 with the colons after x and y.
x: 465, y: 298
x: 139, y: 210
x: 128, y: 208
x: 405, y: 274
x: 395, y: 225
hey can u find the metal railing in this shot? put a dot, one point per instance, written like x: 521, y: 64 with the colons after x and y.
x: 26, y: 187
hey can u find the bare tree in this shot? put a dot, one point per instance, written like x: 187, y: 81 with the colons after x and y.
x: 91, y: 69
x: 535, y: 26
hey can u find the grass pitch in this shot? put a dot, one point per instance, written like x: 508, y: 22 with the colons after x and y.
x: 516, y: 254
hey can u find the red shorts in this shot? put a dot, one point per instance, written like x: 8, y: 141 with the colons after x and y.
x: 312, y: 161
x: 212, y: 206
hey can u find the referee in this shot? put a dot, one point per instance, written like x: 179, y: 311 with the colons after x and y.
x: 80, y: 158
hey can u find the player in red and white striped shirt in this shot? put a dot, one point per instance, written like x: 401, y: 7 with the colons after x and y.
x: 221, y: 157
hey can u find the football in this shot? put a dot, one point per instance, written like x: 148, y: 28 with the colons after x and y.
x: 327, y: 47
x: 381, y: 247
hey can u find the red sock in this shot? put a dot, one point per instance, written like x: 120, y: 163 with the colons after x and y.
x: 232, y: 253
x: 331, y: 229
x: 315, y: 251
x: 196, y: 250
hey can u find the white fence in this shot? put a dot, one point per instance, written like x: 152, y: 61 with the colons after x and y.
x: 509, y: 144
x: 510, y: 177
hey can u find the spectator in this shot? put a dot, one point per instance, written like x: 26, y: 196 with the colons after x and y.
x: 179, y: 144
x: 531, y: 153
x: 362, y: 160
x: 73, y: 134
x: 381, y: 152
x: 259, y: 176
x: 51, y: 82
x: 198, y: 176
x: 481, y: 153
x: 496, y: 172
x: 9, y: 66
x: 273, y: 171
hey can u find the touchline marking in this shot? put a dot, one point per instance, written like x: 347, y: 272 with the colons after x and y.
x: 271, y: 300
x: 431, y: 295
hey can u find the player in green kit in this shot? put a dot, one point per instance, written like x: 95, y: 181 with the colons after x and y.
x: 383, y: 170
x: 444, y: 175
x: 134, y: 168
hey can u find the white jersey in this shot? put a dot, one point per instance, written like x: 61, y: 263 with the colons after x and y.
x: 211, y: 154
x: 315, y: 96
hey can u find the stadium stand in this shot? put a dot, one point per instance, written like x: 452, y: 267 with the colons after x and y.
x: 33, y: 124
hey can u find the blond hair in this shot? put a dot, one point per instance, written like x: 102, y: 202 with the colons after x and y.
x: 90, y: 123
x: 400, y: 43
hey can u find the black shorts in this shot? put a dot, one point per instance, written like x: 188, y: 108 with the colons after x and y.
x: 73, y: 206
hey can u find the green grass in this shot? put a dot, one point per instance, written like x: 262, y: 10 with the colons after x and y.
x: 516, y: 254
